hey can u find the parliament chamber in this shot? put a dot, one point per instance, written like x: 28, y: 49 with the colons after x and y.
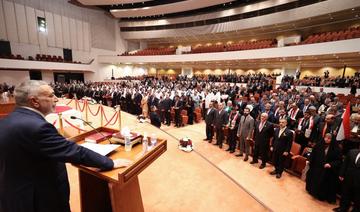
x: 235, y: 105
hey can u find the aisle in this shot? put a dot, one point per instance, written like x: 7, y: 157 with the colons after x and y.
x: 285, y: 194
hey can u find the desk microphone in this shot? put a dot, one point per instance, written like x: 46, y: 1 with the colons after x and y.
x: 88, y: 123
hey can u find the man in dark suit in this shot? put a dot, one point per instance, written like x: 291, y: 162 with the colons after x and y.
x: 167, y: 109
x: 263, y: 133
x: 329, y: 126
x: 221, y: 120
x: 153, y: 101
x: 242, y: 104
x: 350, y: 175
x: 33, y: 175
x: 209, y: 121
x: 281, y: 147
x: 177, y: 109
x: 154, y: 117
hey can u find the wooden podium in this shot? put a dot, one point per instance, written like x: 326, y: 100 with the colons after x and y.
x: 118, y: 189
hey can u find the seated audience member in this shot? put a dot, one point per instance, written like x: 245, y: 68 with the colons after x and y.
x: 324, y: 164
x: 154, y: 117
x: 281, y: 146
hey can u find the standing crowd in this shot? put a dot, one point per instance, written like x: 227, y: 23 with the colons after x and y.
x: 257, y: 119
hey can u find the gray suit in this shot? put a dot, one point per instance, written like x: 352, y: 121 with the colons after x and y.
x: 246, y: 127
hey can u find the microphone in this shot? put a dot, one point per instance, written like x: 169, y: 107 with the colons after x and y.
x: 88, y: 123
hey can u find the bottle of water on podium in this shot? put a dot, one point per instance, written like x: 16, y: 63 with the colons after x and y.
x: 145, y: 144
x: 127, y: 144
x: 153, y: 140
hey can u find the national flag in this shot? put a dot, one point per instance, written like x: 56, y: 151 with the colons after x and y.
x: 344, y: 130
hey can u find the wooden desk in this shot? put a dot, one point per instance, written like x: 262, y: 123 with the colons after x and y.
x: 117, y: 189
x: 6, y: 106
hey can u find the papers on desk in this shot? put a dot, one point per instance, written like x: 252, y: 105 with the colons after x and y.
x: 102, y: 149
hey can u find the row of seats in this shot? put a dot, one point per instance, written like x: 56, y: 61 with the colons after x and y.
x: 38, y: 57
x: 261, y: 44
x: 152, y: 51
x: 333, y: 36
x: 14, y: 57
x: 350, y: 33
x: 345, y: 99
x: 49, y: 58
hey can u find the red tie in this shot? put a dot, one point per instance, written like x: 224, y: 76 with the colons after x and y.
x: 292, y: 113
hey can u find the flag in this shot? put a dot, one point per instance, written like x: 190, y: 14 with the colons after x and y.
x: 344, y: 130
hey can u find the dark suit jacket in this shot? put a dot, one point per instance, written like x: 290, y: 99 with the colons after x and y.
x: 263, y: 137
x: 210, y: 118
x: 349, y: 171
x: 33, y: 175
x: 284, y: 142
x: 155, y: 119
x: 329, y: 129
x: 221, y: 119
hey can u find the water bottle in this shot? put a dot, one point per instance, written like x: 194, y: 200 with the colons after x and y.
x: 153, y: 139
x: 127, y: 144
x: 145, y: 144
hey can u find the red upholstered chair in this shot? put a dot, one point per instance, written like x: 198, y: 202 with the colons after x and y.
x: 294, y: 152
x: 299, y: 163
x: 184, y: 119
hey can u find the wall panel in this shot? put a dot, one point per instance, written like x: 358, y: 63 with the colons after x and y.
x: 86, y: 38
x: 79, y: 33
x: 10, y: 21
x: 50, y: 28
x: 58, y: 31
x: 21, y: 23
x: 2, y: 22
x: 73, y: 34
x: 66, y: 32
x: 31, y: 25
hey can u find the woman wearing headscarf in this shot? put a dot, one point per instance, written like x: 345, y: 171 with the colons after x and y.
x: 322, y: 177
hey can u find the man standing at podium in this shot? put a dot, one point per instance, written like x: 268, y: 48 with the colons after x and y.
x: 33, y: 154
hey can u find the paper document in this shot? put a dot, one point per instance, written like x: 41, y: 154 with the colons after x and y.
x: 102, y: 149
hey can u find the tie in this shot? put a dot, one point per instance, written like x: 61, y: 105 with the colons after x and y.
x: 292, y: 113
x: 261, y: 126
